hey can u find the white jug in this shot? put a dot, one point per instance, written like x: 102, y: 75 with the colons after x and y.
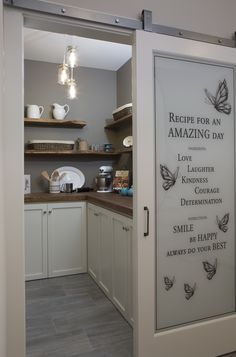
x: 34, y: 111
x: 59, y: 111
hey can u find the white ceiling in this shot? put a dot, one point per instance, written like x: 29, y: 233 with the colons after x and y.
x: 50, y: 47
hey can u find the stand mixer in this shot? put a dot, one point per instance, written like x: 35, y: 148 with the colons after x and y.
x: 104, y: 179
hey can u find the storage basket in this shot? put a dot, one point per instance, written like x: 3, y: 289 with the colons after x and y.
x: 122, y: 111
x: 50, y: 145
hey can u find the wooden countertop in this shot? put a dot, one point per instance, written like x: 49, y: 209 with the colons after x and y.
x: 113, y: 201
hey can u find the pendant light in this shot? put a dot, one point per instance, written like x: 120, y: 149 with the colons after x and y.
x: 65, y: 71
x: 63, y: 74
x: 72, y: 57
x: 72, y: 87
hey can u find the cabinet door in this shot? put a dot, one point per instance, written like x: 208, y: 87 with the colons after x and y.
x: 120, y: 264
x: 129, y: 230
x: 35, y: 241
x: 67, y: 238
x: 93, y: 241
x: 105, y: 248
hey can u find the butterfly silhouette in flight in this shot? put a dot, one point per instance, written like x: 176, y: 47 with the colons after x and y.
x: 168, y: 282
x: 220, y: 100
x: 168, y: 177
x: 222, y: 223
x: 210, y: 269
x: 189, y: 290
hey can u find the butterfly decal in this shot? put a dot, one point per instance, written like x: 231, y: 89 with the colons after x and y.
x: 222, y: 223
x: 189, y: 290
x: 210, y: 269
x: 168, y: 282
x: 220, y: 100
x: 168, y: 177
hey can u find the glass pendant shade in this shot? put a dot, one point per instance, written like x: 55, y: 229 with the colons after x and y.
x: 72, y: 57
x: 63, y: 74
x: 72, y: 89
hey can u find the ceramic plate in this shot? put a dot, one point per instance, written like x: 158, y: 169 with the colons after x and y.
x: 128, y: 141
x: 72, y: 175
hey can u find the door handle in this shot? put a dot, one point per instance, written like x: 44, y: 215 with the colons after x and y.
x: 146, y: 233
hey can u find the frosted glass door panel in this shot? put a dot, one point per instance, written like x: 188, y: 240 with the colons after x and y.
x: 195, y: 257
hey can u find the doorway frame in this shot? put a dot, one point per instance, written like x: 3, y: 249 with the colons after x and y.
x: 14, y: 148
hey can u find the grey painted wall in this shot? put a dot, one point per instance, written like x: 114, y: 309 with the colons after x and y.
x: 98, y: 93
x: 96, y: 101
x: 215, y: 17
x: 124, y: 84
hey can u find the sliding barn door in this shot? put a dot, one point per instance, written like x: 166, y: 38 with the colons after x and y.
x: 184, y: 158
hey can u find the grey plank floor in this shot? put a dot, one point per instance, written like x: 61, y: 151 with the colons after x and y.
x: 71, y: 317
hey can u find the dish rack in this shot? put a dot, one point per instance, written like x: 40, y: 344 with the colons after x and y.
x: 50, y: 145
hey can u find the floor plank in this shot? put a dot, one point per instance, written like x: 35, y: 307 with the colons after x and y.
x: 71, y: 317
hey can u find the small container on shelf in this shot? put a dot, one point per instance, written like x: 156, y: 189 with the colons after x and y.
x: 50, y: 145
x: 122, y: 111
x: 82, y: 145
x: 108, y: 148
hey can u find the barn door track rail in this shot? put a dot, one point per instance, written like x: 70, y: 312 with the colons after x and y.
x: 144, y: 23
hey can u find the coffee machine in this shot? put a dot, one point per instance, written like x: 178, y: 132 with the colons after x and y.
x: 104, y: 179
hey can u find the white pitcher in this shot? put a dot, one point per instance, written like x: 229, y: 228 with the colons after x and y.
x: 60, y: 111
x: 34, y: 111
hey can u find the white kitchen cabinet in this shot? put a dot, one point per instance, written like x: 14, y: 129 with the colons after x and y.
x: 93, y: 241
x: 122, y: 264
x: 130, y: 273
x: 110, y: 256
x: 105, y: 271
x: 67, y: 238
x: 55, y: 239
x: 35, y: 241
x: 99, y: 247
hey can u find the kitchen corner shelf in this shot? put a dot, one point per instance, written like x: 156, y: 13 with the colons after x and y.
x: 45, y: 122
x: 116, y: 124
x: 77, y: 153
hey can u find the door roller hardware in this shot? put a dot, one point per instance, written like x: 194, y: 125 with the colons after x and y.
x: 146, y: 233
x: 92, y: 16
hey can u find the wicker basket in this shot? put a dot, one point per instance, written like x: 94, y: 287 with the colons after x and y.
x: 50, y: 145
x: 122, y: 111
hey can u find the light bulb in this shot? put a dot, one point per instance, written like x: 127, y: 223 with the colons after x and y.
x: 72, y: 57
x: 63, y: 74
x: 72, y: 89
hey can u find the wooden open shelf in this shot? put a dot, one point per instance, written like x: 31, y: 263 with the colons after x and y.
x: 70, y: 153
x: 45, y: 122
x: 126, y: 150
x: 116, y: 124
x: 76, y: 153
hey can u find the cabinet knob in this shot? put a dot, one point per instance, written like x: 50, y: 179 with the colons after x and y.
x: 44, y: 212
x: 96, y: 214
x: 50, y: 212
